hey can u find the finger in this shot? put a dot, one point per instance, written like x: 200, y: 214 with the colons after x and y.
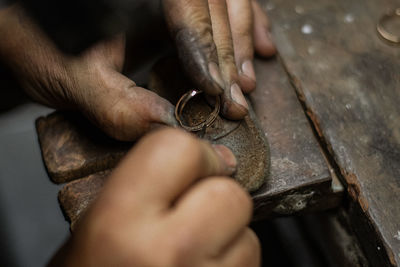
x: 234, y: 103
x: 244, y: 251
x: 162, y: 166
x: 262, y: 38
x: 241, y: 20
x: 119, y: 107
x: 110, y: 53
x: 211, y: 214
x: 190, y: 26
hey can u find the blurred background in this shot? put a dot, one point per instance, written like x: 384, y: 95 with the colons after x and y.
x: 32, y: 226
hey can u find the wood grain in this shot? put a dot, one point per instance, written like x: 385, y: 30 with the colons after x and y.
x: 73, y: 148
x: 76, y: 196
x: 349, y: 80
x: 300, y: 178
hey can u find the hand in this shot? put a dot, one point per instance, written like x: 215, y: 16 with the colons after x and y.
x: 216, y: 41
x: 91, y: 83
x: 167, y: 204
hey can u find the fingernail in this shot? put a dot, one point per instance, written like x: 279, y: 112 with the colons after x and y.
x: 226, y: 155
x: 248, y: 69
x: 237, y: 96
x: 216, y: 74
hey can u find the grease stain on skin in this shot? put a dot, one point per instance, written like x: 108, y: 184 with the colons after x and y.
x: 197, y: 52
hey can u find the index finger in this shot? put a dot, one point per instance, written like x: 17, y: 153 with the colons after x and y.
x: 162, y: 166
x: 190, y: 26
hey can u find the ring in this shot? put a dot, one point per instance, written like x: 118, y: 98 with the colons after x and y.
x: 383, y: 32
x: 206, y: 123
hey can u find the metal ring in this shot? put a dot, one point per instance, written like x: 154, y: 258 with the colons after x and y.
x: 206, y: 123
x: 383, y: 32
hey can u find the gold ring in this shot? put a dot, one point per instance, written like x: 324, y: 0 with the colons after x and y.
x: 202, y: 125
x: 381, y: 29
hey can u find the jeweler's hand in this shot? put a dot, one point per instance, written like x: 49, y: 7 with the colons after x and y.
x: 167, y: 204
x: 91, y: 83
x: 216, y: 40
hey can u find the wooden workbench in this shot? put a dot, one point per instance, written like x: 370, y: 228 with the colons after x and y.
x: 348, y: 79
x: 329, y: 106
x: 300, y: 179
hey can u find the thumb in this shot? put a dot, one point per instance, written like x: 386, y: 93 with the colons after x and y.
x: 122, y: 109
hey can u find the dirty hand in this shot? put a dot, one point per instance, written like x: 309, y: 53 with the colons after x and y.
x: 167, y: 204
x: 91, y: 83
x: 216, y: 40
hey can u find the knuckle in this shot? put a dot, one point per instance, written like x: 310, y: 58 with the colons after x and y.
x: 114, y: 115
x: 182, y: 250
x: 243, y: 34
x: 226, y: 53
x: 228, y: 59
x: 232, y: 194
x: 201, y: 24
x: 114, y: 120
x: 196, y: 41
x: 217, y: 2
x: 208, y: 46
x: 250, y: 252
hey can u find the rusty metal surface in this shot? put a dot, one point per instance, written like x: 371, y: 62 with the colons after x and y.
x: 349, y: 80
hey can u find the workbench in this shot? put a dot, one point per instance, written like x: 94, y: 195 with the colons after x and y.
x: 329, y: 106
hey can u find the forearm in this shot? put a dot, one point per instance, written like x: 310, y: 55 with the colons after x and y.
x: 28, y: 53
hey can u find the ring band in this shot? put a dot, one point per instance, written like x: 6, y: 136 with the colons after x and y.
x: 206, y: 123
x: 383, y: 32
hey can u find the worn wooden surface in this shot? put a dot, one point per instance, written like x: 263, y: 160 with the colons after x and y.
x: 349, y: 80
x: 76, y: 196
x: 73, y: 148
x: 299, y: 176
